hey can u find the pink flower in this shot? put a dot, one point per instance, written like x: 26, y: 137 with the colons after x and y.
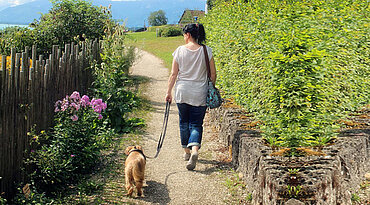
x: 74, y: 118
x: 75, y: 95
x: 100, y: 117
x: 75, y: 106
x: 72, y: 155
x: 85, y: 101
x: 64, y: 107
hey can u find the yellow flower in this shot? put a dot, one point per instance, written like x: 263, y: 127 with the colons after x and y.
x: 8, y: 62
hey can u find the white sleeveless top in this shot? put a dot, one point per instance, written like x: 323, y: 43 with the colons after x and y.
x: 191, y: 83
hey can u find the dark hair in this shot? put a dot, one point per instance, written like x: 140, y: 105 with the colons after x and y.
x: 196, y: 31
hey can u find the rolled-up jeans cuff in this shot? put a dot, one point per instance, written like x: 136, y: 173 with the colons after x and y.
x: 193, y: 144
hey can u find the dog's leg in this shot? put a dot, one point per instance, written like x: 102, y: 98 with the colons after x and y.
x: 139, y: 186
x: 130, y: 190
x: 129, y: 183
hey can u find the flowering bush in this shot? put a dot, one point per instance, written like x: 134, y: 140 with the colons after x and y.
x: 113, y: 84
x: 75, y: 105
x: 73, y: 146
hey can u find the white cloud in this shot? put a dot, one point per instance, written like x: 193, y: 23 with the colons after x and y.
x: 11, y: 3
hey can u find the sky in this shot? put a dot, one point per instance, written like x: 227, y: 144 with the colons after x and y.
x: 9, y: 3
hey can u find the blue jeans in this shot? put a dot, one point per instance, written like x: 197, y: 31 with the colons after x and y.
x: 191, y: 124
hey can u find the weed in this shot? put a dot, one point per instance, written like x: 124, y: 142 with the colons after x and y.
x: 249, y: 197
x: 294, y: 191
x: 355, y: 197
x: 364, y: 185
x: 89, y: 187
x: 293, y: 171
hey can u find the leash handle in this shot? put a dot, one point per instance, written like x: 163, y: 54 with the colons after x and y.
x: 163, y: 132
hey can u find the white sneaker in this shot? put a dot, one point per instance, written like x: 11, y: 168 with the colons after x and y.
x: 192, y: 161
x: 186, y: 156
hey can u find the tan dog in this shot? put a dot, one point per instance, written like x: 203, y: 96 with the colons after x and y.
x: 134, y: 169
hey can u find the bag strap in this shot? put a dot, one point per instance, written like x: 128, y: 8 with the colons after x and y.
x: 207, y: 61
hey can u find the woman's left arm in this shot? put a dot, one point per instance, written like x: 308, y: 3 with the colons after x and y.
x: 172, y: 80
x: 213, y: 71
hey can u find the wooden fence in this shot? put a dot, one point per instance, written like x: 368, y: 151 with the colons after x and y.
x: 28, y: 92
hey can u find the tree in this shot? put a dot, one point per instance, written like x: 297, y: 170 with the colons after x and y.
x: 157, y: 18
x: 70, y: 21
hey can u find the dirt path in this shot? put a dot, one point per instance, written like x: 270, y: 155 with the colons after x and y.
x: 169, y: 182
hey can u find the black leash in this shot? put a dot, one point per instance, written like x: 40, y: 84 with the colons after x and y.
x: 163, y: 132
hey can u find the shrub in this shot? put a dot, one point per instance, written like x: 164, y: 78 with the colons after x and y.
x: 170, y: 31
x: 70, y: 21
x: 73, y: 146
x: 112, y: 83
x: 67, y: 21
x: 16, y: 37
x: 298, y: 66
x: 154, y: 28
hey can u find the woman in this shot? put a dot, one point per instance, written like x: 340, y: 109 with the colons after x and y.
x: 189, y: 72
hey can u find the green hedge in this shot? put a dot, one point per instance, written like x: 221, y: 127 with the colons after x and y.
x: 298, y: 66
x: 168, y: 31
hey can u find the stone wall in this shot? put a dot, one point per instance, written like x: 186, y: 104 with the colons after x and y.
x: 328, y: 179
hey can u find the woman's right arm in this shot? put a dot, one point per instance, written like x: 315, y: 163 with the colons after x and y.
x: 172, y: 80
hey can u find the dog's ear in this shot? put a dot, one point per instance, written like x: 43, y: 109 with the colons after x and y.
x: 128, y: 149
x: 138, y: 147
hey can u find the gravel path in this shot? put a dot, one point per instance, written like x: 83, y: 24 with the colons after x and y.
x: 168, y: 180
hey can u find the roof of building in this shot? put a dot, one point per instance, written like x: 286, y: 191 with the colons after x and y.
x: 193, y: 13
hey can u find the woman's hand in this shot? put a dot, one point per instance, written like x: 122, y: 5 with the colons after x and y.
x: 169, y: 98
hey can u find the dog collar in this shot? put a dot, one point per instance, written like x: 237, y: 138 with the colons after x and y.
x: 137, y: 150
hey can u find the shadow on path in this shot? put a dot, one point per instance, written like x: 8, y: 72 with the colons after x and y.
x: 156, y: 192
x: 217, y: 166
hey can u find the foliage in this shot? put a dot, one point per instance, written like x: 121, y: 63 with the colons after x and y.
x: 70, y: 21
x: 34, y: 198
x: 154, y: 28
x: 355, y: 197
x: 157, y: 18
x: 16, y: 37
x: 170, y: 31
x: 293, y: 191
x: 210, y: 4
x: 67, y: 21
x: 293, y: 171
x: 249, y: 197
x: 112, y: 82
x: 298, y: 65
x: 2, y: 201
x: 73, y: 147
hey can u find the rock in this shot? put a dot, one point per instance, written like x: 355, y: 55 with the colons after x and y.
x: 241, y: 175
x: 367, y: 176
x: 294, y: 202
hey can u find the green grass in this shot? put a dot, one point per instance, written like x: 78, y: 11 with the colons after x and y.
x: 162, y: 47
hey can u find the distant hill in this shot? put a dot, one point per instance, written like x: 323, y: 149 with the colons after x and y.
x: 133, y: 12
